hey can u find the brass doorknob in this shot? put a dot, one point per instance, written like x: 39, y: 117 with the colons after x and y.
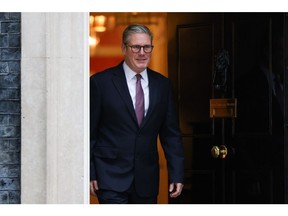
x: 220, y: 152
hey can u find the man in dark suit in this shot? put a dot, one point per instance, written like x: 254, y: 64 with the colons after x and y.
x: 126, y: 116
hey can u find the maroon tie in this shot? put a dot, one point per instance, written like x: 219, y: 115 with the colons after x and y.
x: 139, y: 105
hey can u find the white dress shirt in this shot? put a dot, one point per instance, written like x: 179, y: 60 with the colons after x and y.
x: 131, y: 82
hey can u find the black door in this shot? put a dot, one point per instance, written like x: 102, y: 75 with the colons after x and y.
x: 239, y: 57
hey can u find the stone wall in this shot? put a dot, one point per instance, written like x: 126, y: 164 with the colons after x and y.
x: 10, y: 107
x: 54, y: 108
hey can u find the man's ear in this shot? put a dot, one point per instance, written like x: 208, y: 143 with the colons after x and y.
x: 123, y: 48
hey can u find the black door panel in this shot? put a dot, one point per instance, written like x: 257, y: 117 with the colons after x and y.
x: 254, y: 169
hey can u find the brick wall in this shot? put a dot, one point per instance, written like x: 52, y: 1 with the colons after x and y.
x: 10, y: 107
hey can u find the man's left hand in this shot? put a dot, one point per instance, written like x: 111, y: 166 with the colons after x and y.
x: 175, y: 189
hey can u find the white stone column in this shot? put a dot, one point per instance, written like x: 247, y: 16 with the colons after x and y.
x: 54, y: 99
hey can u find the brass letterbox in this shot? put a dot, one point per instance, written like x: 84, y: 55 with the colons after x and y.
x: 223, y: 108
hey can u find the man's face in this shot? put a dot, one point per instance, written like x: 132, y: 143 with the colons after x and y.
x: 137, y: 61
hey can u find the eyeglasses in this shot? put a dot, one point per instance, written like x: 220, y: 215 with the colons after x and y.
x: 137, y: 48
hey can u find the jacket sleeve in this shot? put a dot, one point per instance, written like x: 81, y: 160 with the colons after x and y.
x: 95, y: 110
x: 171, y: 141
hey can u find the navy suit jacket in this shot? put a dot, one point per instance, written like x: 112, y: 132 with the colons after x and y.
x: 121, y: 151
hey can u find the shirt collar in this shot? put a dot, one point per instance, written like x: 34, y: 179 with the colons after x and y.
x: 130, y: 74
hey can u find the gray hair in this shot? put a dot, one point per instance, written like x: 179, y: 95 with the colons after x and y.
x: 135, y: 28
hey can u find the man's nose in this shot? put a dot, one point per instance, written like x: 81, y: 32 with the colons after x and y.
x: 142, y: 51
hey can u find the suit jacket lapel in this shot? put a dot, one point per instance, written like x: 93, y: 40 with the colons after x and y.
x: 120, y: 83
x: 153, y: 95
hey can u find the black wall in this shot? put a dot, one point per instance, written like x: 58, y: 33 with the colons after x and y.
x: 10, y: 107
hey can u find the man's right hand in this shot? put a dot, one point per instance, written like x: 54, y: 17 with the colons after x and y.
x: 93, y: 187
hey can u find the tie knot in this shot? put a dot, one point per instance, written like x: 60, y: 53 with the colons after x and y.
x: 138, y: 76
